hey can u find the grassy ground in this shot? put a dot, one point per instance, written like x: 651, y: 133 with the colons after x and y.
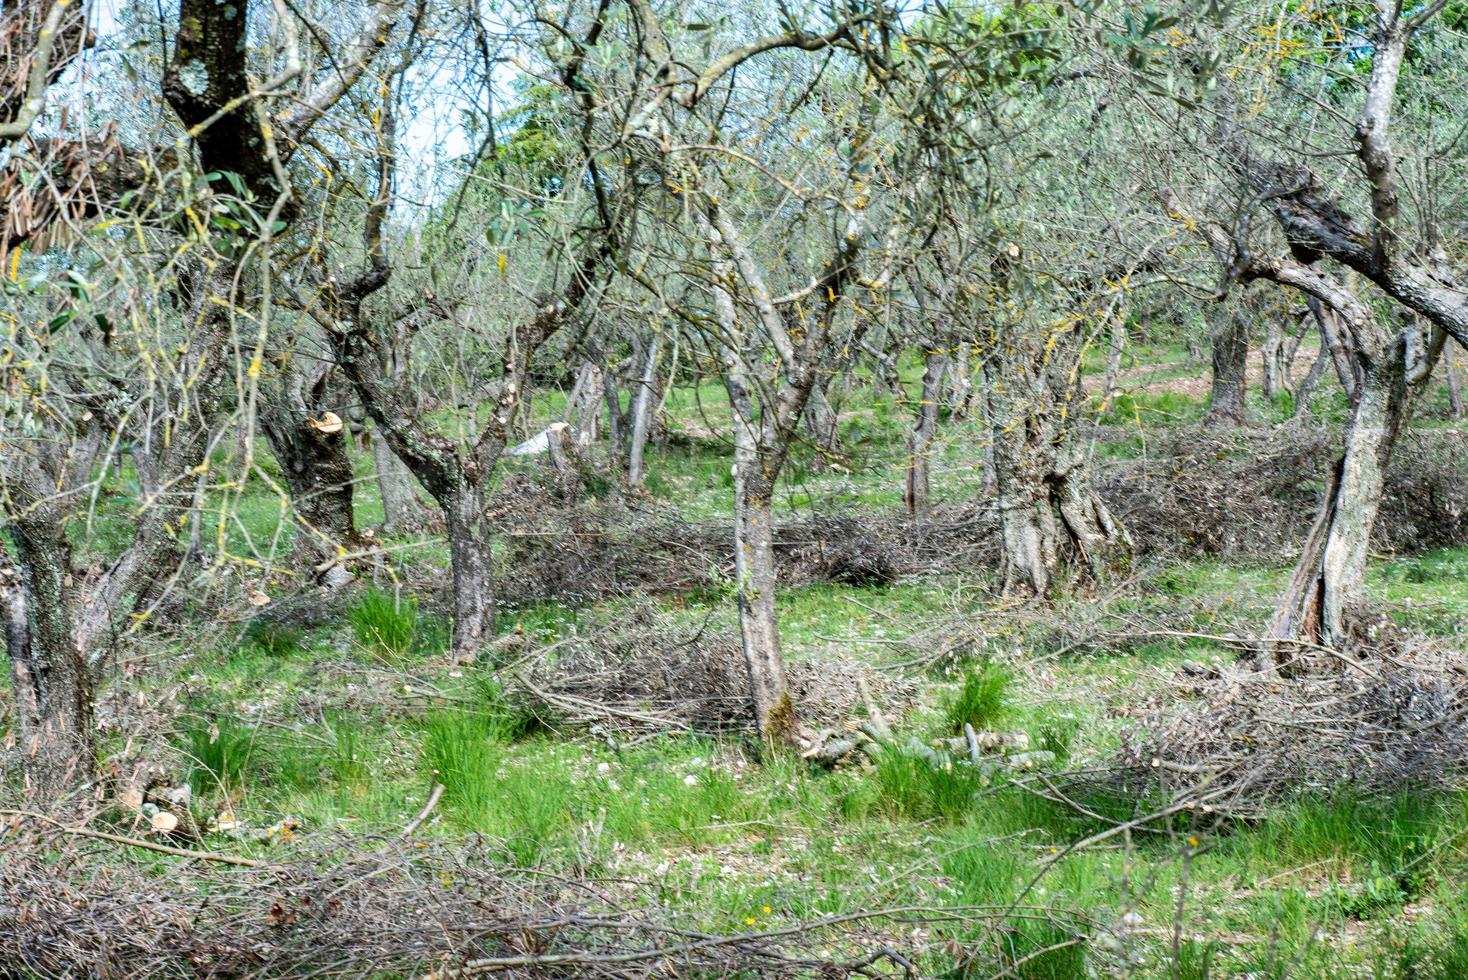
x: 295, y: 731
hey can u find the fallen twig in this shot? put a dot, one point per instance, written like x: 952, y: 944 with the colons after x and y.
x: 184, y: 852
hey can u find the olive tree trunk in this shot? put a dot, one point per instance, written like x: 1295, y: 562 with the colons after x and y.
x: 920, y: 436
x: 310, y: 443
x: 1229, y: 335
x: 400, y: 509
x: 1454, y: 374
x: 1326, y: 588
x: 1027, y: 529
x: 755, y: 575
x: 1306, y: 390
x: 1329, y: 577
x: 471, y: 556
x: 824, y: 425
x: 642, y: 411
x: 50, y: 680
x: 1042, y: 473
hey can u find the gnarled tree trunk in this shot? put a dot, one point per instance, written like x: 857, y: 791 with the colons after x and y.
x: 310, y: 442
x: 400, y: 509
x: 1020, y: 447
x: 1454, y: 373
x: 584, y: 406
x: 1306, y: 391
x: 1229, y: 335
x: 1271, y: 358
x: 50, y: 679
x: 642, y: 410
x: 471, y: 556
x: 755, y: 574
x: 824, y: 425
x: 1327, y: 584
x: 1042, y: 471
x: 1329, y: 577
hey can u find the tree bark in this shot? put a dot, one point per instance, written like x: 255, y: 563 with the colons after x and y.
x: 1019, y: 445
x: 612, y: 395
x: 920, y: 436
x: 758, y: 455
x: 584, y: 407
x: 1229, y: 336
x: 1336, y: 339
x: 1115, y: 349
x: 400, y: 509
x: 960, y: 385
x: 824, y: 425
x: 1327, y: 585
x: 1274, y: 374
x: 1328, y: 580
x: 1042, y: 471
x: 50, y: 679
x: 1306, y: 391
x: 754, y: 570
x: 642, y: 408
x: 471, y: 556
x: 1100, y: 539
x: 1455, y: 381
x: 310, y: 443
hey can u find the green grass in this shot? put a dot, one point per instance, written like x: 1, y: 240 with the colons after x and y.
x: 218, y: 752
x: 389, y: 628
x: 385, y: 624
x: 1144, y: 409
x: 982, y: 700
x: 275, y: 639
x: 301, y: 723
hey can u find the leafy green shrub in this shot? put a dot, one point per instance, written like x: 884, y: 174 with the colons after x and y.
x: 981, y: 701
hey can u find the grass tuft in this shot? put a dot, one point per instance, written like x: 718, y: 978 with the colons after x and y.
x: 275, y: 639
x: 384, y: 624
x: 909, y: 785
x: 392, y: 629
x: 219, y: 753
x: 982, y: 701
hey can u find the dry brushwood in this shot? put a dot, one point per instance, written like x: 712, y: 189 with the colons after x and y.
x: 1373, y: 724
x: 351, y: 908
x: 644, y: 672
x: 987, y: 753
x: 1240, y: 495
x: 601, y: 548
x: 1256, y: 495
